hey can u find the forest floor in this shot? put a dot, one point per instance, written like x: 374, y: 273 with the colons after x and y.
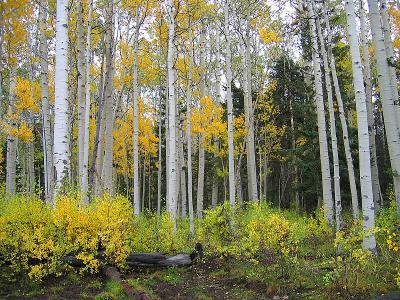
x: 213, y: 278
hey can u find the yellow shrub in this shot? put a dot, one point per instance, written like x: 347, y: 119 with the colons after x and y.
x: 27, y: 238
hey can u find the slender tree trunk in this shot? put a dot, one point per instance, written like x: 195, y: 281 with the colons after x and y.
x: 85, y: 166
x: 80, y: 47
x: 159, y: 171
x: 46, y: 120
x: 215, y: 182
x: 248, y: 106
x: 363, y: 135
x: 107, y: 170
x: 98, y: 140
x: 171, y: 173
x: 238, y: 182
x: 136, y: 202
x: 200, y: 176
x: 12, y: 141
x: 332, y: 124
x: 200, y: 179
x: 189, y: 130
x: 389, y: 102
x: 323, y: 143
x: 143, y: 183
x: 229, y: 103
x: 343, y: 122
x: 183, y: 176
x: 61, y: 107
x: 371, y: 123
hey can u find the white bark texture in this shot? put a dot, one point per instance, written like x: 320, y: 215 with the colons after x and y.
x: 343, y: 122
x: 47, y: 141
x: 323, y: 143
x: 389, y: 103
x: 136, y: 202
x: 189, y: 131
x: 363, y: 134
x: 332, y: 125
x: 61, y: 107
x: 85, y: 166
x: 249, y: 114
x: 171, y: 167
x: 368, y: 93
x: 81, y: 78
x: 107, y: 170
x: 12, y: 141
x: 229, y: 103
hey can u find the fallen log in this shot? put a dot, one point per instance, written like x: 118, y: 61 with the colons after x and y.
x: 148, y: 259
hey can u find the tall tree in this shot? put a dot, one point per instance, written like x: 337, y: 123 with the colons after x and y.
x: 107, y: 170
x: 363, y: 134
x: 229, y: 103
x: 171, y: 166
x: 249, y: 112
x: 61, y: 107
x: 343, y: 121
x: 388, y: 98
x: 368, y: 93
x: 332, y: 125
x: 319, y: 101
x: 46, y: 120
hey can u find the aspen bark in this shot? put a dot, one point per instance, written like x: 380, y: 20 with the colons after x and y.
x: 47, y: 141
x: 85, y: 166
x: 80, y: 37
x: 249, y: 114
x: 189, y: 130
x: 332, y: 124
x: 171, y: 171
x: 390, y: 103
x: 229, y: 103
x: 201, y: 161
x: 12, y: 141
x: 363, y: 135
x: 319, y: 101
x: 343, y: 122
x: 368, y: 93
x: 107, y: 170
x: 136, y: 202
x: 61, y: 107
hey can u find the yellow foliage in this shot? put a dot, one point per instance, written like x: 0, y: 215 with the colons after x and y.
x: 268, y: 36
x: 28, y: 95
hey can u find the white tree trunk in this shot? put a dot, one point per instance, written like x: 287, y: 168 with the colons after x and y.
x: 159, y: 171
x: 342, y: 117
x: 229, y: 103
x: 323, y: 143
x: 171, y: 167
x: 107, y: 170
x: 183, y: 176
x: 249, y: 114
x: 80, y: 38
x: 332, y: 124
x: 46, y: 120
x: 200, y: 175
x: 389, y: 103
x: 85, y: 166
x: 215, y: 182
x: 12, y: 141
x: 363, y: 135
x: 189, y: 131
x: 371, y: 123
x: 136, y: 202
x: 61, y: 120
